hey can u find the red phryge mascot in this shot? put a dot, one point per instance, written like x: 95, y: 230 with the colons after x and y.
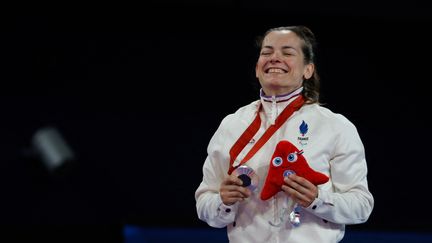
x: 286, y: 160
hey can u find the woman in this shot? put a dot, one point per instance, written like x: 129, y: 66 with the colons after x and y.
x: 288, y: 110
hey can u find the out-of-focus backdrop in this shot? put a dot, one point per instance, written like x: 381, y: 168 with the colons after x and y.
x: 106, y: 109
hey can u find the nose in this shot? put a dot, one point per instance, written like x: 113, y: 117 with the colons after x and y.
x: 273, y: 60
x: 275, y: 57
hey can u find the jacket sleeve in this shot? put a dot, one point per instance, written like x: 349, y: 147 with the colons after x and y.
x: 349, y: 201
x: 209, y: 205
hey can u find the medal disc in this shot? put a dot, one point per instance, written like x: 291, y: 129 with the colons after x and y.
x: 295, y: 218
x: 248, y: 176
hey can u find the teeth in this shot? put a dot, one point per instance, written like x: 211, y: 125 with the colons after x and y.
x: 276, y: 70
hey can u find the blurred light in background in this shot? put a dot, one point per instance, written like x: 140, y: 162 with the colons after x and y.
x: 53, y: 150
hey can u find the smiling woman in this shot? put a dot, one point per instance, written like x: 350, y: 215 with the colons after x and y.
x: 287, y: 112
x: 122, y: 85
x: 282, y: 66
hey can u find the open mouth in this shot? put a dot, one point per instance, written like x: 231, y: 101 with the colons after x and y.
x: 275, y: 70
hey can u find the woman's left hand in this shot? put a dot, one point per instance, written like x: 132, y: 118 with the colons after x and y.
x: 300, y: 190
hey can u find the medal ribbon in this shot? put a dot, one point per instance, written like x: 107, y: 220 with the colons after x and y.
x: 253, y: 128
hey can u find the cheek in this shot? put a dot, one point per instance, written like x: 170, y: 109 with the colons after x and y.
x: 298, y: 67
x: 292, y: 63
x: 258, y: 67
x: 260, y: 63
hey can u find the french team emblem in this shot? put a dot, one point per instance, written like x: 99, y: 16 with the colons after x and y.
x: 303, y: 139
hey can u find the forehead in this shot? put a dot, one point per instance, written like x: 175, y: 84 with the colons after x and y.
x: 282, y: 37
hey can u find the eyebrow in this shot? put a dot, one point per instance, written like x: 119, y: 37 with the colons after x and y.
x: 283, y: 47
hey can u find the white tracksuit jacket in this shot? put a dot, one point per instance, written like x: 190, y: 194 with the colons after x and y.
x: 331, y: 146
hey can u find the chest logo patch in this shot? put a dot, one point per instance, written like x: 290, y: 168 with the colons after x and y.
x: 303, y: 139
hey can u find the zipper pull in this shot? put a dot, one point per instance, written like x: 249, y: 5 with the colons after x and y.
x: 273, y: 110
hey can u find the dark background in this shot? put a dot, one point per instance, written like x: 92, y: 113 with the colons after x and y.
x: 138, y: 91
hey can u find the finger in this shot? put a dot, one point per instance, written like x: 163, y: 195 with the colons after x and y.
x: 303, y: 199
x: 244, y: 191
x: 230, y: 197
x: 301, y: 181
x: 233, y: 180
x: 295, y: 194
x: 293, y: 184
x: 233, y: 188
x: 232, y: 194
x: 232, y: 200
x: 302, y: 185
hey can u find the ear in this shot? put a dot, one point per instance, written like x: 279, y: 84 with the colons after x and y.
x: 309, y: 70
x: 256, y: 70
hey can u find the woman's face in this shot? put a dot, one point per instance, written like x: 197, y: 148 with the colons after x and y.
x: 280, y: 68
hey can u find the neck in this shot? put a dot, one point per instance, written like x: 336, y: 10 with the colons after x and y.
x: 291, y: 93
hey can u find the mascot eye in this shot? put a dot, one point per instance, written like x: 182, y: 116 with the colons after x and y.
x: 277, y: 161
x: 292, y: 157
x: 288, y: 172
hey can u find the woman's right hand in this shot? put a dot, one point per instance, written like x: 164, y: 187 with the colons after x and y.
x: 232, y: 191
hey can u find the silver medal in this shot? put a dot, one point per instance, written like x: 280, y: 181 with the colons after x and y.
x: 247, y: 175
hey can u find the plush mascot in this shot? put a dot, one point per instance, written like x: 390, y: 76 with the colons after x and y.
x: 286, y: 160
